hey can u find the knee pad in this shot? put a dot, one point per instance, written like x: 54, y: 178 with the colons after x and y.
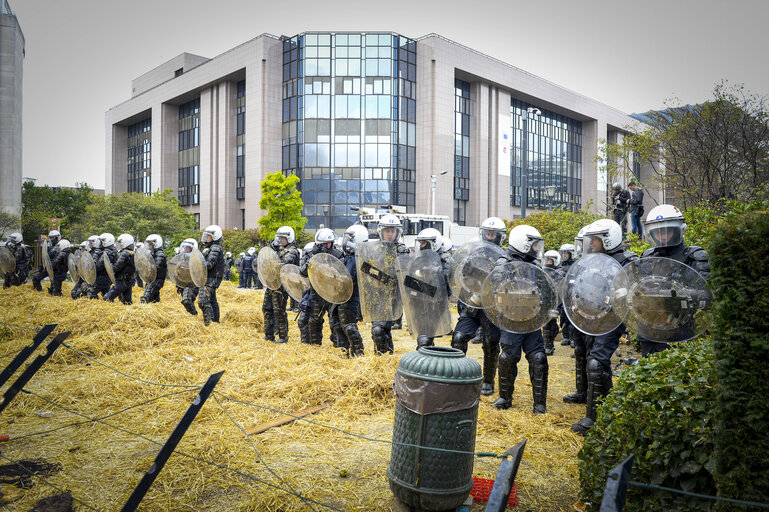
x: 539, y: 358
x: 377, y: 331
x: 350, y: 329
x: 459, y: 340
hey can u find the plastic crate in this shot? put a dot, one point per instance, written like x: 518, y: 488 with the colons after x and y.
x: 482, y: 489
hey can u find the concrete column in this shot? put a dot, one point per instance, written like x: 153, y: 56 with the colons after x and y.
x: 483, y: 168
x: 118, y: 160
x: 165, y: 154
x: 11, y: 71
x: 593, y: 186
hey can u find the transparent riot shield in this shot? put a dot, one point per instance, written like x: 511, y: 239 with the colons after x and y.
x: 472, y: 264
x: 198, y: 268
x: 424, y: 294
x: 7, y: 260
x: 268, y: 267
x: 108, y: 267
x: 587, y: 294
x: 293, y: 282
x: 519, y: 297
x: 330, y: 278
x: 255, y: 265
x: 47, y: 264
x: 380, y: 299
x: 178, y: 270
x: 72, y: 264
x: 145, y: 265
x: 87, y: 267
x: 662, y: 300
x: 239, y: 265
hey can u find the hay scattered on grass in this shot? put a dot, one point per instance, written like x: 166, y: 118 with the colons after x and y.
x: 162, y: 343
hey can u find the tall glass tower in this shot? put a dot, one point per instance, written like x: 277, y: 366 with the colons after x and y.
x: 349, y: 122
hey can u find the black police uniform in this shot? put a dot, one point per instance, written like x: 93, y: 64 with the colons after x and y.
x: 124, y: 270
x: 103, y: 282
x: 316, y: 305
x: 215, y: 265
x: 152, y: 290
x: 274, y: 304
x: 60, y: 267
x: 42, y: 273
x: 381, y: 332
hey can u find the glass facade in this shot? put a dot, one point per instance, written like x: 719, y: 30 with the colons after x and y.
x: 554, y: 158
x: 139, y: 157
x: 189, y: 153
x: 240, y: 145
x: 461, y: 150
x: 349, y: 122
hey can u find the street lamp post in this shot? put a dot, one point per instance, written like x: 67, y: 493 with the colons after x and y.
x: 531, y: 111
x: 433, y: 189
x: 550, y: 193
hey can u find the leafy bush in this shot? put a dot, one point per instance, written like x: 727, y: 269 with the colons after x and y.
x: 702, y: 220
x: 662, y: 411
x: 636, y: 244
x: 557, y: 227
x: 740, y: 285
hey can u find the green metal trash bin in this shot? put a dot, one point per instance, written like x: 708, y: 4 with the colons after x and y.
x: 437, y: 390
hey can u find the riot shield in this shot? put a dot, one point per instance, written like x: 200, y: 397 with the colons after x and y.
x: 198, y: 268
x: 424, y: 294
x: 179, y: 270
x: 330, y: 278
x: 587, y: 294
x: 7, y: 260
x: 293, y: 282
x: 380, y: 300
x: 108, y: 267
x: 145, y: 265
x: 87, y: 267
x: 239, y: 265
x: 47, y: 264
x: 519, y: 297
x: 72, y: 264
x: 662, y: 299
x: 255, y: 266
x: 472, y: 264
x: 268, y: 268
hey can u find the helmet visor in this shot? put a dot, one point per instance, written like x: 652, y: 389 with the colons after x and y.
x: 664, y: 234
x: 495, y: 236
x: 592, y: 244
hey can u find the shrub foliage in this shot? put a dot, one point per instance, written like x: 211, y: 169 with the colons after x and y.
x: 740, y: 284
x: 661, y: 411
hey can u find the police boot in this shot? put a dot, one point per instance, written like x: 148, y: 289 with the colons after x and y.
x: 269, y: 325
x: 315, y: 330
x: 341, y: 339
x: 216, y: 312
x: 282, y: 324
x: 208, y: 314
x: 379, y: 337
x: 565, y: 342
x: 478, y: 337
x: 190, y: 307
x: 459, y: 341
x: 598, y: 385
x: 490, y: 358
x: 398, y: 324
x: 508, y: 371
x: 424, y: 341
x: 355, y: 339
x: 579, y: 396
x: 538, y: 373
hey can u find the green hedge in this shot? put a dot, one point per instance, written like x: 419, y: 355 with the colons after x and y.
x: 740, y: 283
x: 660, y: 410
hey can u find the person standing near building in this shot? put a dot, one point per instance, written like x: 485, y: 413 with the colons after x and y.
x: 619, y: 200
x: 15, y: 244
x: 227, y: 266
x: 53, y: 238
x: 636, y: 203
x: 248, y: 270
x: 212, y: 240
x: 154, y: 244
x: 288, y: 254
x: 124, y: 270
x: 106, y: 249
x: 60, y: 266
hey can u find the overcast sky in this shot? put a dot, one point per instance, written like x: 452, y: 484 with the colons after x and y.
x: 632, y: 55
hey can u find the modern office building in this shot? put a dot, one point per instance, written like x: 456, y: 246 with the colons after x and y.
x: 364, y: 119
x: 11, y: 68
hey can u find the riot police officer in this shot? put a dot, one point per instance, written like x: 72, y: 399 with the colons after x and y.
x: 227, y: 265
x: 15, y: 245
x: 492, y: 230
x: 124, y: 270
x: 578, y: 340
x: 248, y: 270
x: 553, y: 268
x: 239, y: 268
x: 86, y: 250
x: 524, y: 244
x: 212, y: 240
x: 665, y: 228
x: 275, y: 300
x: 303, y: 319
x: 620, y: 199
x: 106, y: 249
x: 602, y: 236
x: 347, y: 335
x: 154, y: 244
x: 317, y: 306
x: 60, y: 266
x: 190, y: 292
x: 390, y: 231
x: 430, y: 239
x: 53, y: 238
x: 568, y: 255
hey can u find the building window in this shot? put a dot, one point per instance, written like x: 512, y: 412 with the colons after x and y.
x: 243, y: 219
x: 240, y: 148
x: 554, y: 158
x: 461, y: 150
x: 189, y: 153
x: 139, y: 161
x: 349, y: 122
x: 197, y: 220
x: 178, y: 72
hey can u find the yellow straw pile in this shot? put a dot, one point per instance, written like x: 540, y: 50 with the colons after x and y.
x: 163, y: 344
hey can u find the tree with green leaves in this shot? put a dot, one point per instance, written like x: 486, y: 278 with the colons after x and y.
x: 714, y: 150
x: 137, y: 214
x: 8, y: 224
x: 557, y: 227
x: 41, y: 204
x: 283, y: 203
